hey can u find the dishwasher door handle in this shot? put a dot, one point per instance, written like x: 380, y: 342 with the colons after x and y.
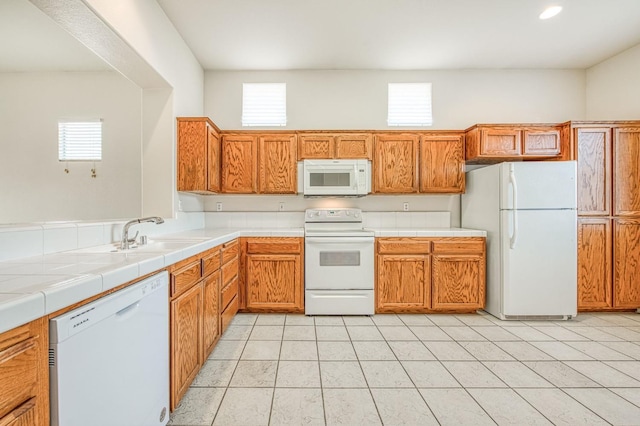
x: 127, y: 312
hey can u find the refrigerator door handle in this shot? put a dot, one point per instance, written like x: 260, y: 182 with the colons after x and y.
x: 514, y: 185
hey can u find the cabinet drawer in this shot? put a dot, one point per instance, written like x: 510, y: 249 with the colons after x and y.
x: 402, y: 246
x: 291, y: 246
x: 229, y: 313
x: 229, y: 251
x: 229, y: 271
x: 229, y: 292
x: 183, y: 278
x: 211, y: 261
x: 18, y: 375
x: 464, y: 246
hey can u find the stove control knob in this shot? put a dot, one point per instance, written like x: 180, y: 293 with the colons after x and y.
x: 348, y: 213
x: 356, y: 215
x: 310, y: 214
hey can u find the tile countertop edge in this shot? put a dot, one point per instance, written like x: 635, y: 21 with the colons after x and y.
x: 20, y: 308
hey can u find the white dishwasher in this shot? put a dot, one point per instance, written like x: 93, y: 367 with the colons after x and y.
x: 109, y: 359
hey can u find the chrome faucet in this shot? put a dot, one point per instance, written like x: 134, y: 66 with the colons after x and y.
x: 124, y: 244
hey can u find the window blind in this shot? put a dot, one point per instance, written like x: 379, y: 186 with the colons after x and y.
x: 264, y: 104
x: 409, y: 104
x: 80, y: 140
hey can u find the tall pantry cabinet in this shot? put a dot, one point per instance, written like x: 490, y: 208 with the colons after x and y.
x: 608, y: 156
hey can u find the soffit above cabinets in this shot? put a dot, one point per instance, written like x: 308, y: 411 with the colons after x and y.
x: 403, y: 34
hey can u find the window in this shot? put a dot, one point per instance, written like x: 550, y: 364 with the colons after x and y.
x: 80, y: 140
x: 264, y: 104
x: 409, y: 104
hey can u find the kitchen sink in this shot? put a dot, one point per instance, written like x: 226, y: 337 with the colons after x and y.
x: 151, y: 247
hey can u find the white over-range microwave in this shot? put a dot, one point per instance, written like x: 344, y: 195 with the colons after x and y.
x: 336, y: 177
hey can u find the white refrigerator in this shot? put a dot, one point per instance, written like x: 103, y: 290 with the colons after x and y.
x: 529, y: 212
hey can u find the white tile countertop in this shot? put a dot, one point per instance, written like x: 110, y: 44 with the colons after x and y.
x: 32, y: 287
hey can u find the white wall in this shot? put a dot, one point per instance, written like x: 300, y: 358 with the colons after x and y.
x: 358, y: 99
x: 613, y: 87
x: 33, y: 184
x: 145, y: 27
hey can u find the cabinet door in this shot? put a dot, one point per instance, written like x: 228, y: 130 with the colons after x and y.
x: 403, y: 283
x: 24, y: 382
x: 213, y: 166
x: 192, y: 155
x: 395, y: 164
x: 274, y: 282
x: 594, y: 263
x: 541, y: 142
x: 626, y: 172
x: 354, y: 145
x: 500, y: 142
x: 626, y: 258
x: 593, y: 152
x: 239, y: 164
x: 24, y: 415
x: 210, y: 313
x: 278, y: 168
x: 442, y: 164
x: 186, y: 342
x: 458, y: 282
x: 318, y: 146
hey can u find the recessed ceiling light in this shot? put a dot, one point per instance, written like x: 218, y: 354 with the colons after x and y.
x: 550, y: 12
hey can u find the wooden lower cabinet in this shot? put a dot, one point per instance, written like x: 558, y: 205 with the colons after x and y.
x: 186, y: 341
x: 24, y: 375
x: 197, y: 314
x: 594, y: 263
x: 210, y: 313
x: 458, y: 281
x: 626, y: 263
x: 430, y: 274
x: 608, y: 259
x: 273, y: 274
x: 403, y: 283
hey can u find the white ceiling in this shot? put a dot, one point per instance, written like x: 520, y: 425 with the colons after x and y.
x: 32, y: 41
x: 403, y: 34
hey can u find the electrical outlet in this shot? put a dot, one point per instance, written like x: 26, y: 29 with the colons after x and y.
x: 218, y: 206
x: 405, y: 207
x: 281, y: 207
x: 179, y: 205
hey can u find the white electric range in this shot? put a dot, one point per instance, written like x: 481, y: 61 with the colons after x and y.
x: 339, y: 270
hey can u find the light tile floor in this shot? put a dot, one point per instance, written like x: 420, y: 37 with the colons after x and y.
x: 273, y: 369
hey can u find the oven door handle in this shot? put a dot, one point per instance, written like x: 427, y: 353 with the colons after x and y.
x: 337, y: 240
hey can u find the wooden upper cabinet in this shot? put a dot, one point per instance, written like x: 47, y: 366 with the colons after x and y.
x: 500, y: 142
x: 334, y: 145
x: 495, y: 143
x: 395, y: 163
x: 239, y: 164
x: 593, y: 153
x: 626, y: 166
x: 278, y: 167
x: 198, y: 155
x: 442, y: 163
x: 315, y: 146
x: 541, y: 142
x: 626, y: 273
x: 354, y: 145
x: 594, y: 263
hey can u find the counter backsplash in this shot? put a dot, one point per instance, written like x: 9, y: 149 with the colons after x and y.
x: 26, y: 240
